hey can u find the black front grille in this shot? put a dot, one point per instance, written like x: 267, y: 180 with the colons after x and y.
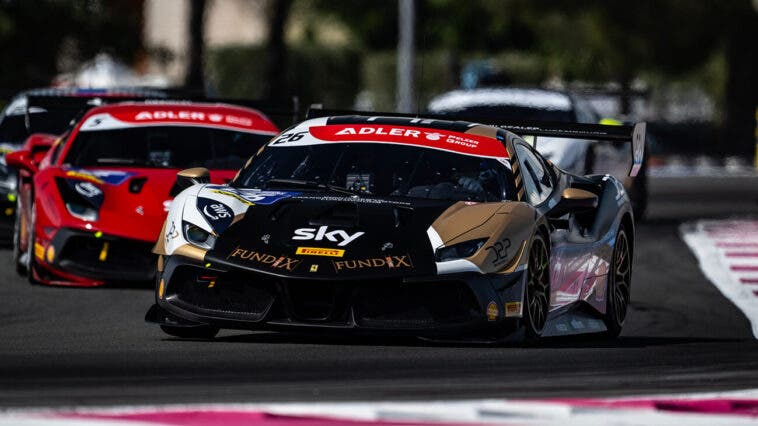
x: 376, y: 304
x: 242, y: 297
x: 121, y: 260
x: 314, y: 301
x: 415, y: 305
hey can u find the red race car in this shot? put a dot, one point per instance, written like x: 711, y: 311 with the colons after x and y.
x: 95, y: 203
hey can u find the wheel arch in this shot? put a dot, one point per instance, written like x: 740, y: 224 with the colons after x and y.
x: 628, y: 222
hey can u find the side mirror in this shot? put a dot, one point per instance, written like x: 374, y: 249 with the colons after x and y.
x: 21, y: 160
x: 574, y: 200
x: 38, y: 144
x: 189, y: 177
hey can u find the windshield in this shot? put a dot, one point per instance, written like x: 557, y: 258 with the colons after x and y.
x: 165, y: 146
x: 13, y: 129
x: 382, y: 170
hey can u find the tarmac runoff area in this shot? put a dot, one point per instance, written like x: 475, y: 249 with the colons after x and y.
x: 69, y: 352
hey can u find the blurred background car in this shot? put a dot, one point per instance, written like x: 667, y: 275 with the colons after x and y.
x: 576, y: 156
x: 90, y: 211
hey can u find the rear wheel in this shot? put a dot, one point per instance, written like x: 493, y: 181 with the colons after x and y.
x: 537, y: 297
x: 619, y: 285
x: 194, y: 332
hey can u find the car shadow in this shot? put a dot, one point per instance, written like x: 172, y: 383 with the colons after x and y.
x: 588, y: 341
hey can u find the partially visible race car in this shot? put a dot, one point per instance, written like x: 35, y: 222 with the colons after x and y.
x: 407, y: 225
x: 577, y: 156
x: 97, y: 200
x: 23, y: 117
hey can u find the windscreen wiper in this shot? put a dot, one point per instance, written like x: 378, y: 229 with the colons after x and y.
x: 119, y: 161
x: 306, y: 184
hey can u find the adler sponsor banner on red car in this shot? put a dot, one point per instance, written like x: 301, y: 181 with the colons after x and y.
x: 463, y: 143
x: 168, y: 114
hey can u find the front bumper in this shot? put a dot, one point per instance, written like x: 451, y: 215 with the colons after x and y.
x: 193, y: 294
x: 87, y: 258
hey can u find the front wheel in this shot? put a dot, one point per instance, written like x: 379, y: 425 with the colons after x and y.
x: 30, y: 251
x: 193, y: 332
x: 619, y: 285
x: 537, y: 297
x: 18, y: 256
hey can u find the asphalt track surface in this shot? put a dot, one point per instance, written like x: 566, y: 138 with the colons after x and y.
x: 65, y: 346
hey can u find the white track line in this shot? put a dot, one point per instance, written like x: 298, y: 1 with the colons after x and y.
x: 466, y: 412
x: 727, y: 252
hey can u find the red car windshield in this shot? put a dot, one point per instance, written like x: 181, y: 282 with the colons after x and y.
x: 165, y: 147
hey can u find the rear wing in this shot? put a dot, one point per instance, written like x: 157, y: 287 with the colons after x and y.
x: 634, y: 134
x: 54, y: 114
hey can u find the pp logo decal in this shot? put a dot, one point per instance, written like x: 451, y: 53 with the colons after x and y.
x: 218, y: 214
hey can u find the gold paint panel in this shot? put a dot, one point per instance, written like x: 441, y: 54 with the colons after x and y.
x: 160, y: 244
x: 577, y: 194
x: 191, y: 251
x: 514, y: 222
x: 194, y: 172
x: 461, y: 217
x: 481, y: 130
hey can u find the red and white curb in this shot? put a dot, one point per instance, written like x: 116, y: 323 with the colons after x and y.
x: 731, y: 408
x: 727, y: 251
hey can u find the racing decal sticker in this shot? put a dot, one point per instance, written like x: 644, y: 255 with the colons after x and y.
x: 318, y: 234
x: 463, y: 143
x: 88, y: 190
x: 492, y: 311
x: 246, y: 121
x: 513, y: 309
x: 500, y: 249
x: 252, y: 196
x: 112, y: 177
x: 264, y: 259
x: 233, y: 195
x: 374, y: 263
x: 318, y: 251
x: 357, y: 200
x: 216, y: 213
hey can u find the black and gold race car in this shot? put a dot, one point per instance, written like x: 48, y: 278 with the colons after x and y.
x: 406, y: 225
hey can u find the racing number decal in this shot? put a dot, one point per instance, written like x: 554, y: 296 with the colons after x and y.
x: 500, y: 248
x: 288, y: 137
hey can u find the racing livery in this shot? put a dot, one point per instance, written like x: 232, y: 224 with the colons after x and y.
x: 408, y: 225
x: 94, y: 204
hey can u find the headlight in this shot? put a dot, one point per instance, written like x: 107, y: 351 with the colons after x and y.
x: 82, y: 199
x: 198, y: 236
x: 82, y: 211
x: 460, y: 250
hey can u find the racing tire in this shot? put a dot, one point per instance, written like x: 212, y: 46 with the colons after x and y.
x: 619, y: 285
x: 194, y: 332
x: 537, y: 292
x: 17, y: 261
x: 30, y: 246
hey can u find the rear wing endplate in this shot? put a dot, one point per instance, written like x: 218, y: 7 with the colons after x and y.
x: 633, y: 134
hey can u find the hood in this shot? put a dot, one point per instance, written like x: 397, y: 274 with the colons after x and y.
x: 331, y: 237
x: 130, y: 202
